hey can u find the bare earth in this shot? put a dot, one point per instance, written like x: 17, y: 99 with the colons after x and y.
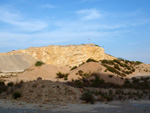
x: 8, y: 106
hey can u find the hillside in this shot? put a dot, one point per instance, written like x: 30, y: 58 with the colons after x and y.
x: 69, y: 55
x: 15, y: 62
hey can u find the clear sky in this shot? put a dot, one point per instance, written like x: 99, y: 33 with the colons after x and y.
x: 122, y: 27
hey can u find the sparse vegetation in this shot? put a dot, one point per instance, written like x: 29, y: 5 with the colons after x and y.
x: 39, y: 63
x: 16, y: 95
x: 3, y: 87
x: 10, y: 84
x: 91, y: 60
x: 74, y: 67
x: 62, y: 75
x: 88, y: 96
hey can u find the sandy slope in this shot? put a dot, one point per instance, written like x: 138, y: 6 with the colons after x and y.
x: 93, y: 67
x: 46, y: 72
x: 141, y: 70
x: 15, y: 63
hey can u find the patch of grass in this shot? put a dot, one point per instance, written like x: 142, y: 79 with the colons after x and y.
x: 39, y: 63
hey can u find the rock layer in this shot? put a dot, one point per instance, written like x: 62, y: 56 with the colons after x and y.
x: 71, y: 55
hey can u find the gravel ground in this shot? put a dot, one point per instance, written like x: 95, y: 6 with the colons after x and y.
x: 7, y: 106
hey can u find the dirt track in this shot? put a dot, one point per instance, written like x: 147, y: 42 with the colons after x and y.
x: 7, y: 106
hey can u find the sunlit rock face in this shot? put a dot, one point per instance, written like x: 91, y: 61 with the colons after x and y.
x: 70, y: 55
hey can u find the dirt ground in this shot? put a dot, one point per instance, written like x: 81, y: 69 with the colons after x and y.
x: 7, y: 106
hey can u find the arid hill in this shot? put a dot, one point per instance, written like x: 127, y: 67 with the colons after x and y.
x: 70, y: 55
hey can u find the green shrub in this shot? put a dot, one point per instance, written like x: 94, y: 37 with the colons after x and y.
x: 117, y: 66
x: 39, y: 63
x: 88, y: 96
x: 97, y: 81
x: 10, y: 84
x: 112, y: 69
x: 117, y: 61
x: 80, y: 72
x: 91, y: 60
x: 66, y: 77
x: 104, y: 61
x: 138, y: 62
x: 74, y: 67
x: 122, y: 65
x: 78, y: 82
x: 86, y: 75
x: 62, y: 75
x: 16, y: 95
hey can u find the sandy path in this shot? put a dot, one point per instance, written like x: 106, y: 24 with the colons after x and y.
x: 7, y: 106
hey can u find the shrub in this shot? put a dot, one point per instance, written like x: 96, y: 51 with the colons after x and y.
x: 2, y: 83
x: 78, y: 82
x: 97, y: 45
x: 86, y: 75
x: 97, y: 81
x: 16, y: 95
x: 122, y: 65
x: 10, y: 84
x: 110, y: 92
x: 117, y: 66
x: 39, y: 63
x: 66, y: 77
x: 19, y: 84
x: 3, y: 88
x: 104, y: 61
x: 62, y: 75
x: 133, y: 70
x: 117, y: 61
x: 91, y: 60
x: 74, y: 67
x: 110, y: 76
x: 39, y: 78
x: 112, y: 69
x: 88, y: 96
x: 80, y: 72
x: 138, y: 62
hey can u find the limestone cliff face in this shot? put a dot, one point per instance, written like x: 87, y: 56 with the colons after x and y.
x: 71, y: 55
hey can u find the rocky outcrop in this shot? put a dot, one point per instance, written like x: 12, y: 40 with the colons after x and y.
x: 70, y: 55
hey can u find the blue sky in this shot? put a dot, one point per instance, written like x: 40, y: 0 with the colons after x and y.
x: 122, y: 27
